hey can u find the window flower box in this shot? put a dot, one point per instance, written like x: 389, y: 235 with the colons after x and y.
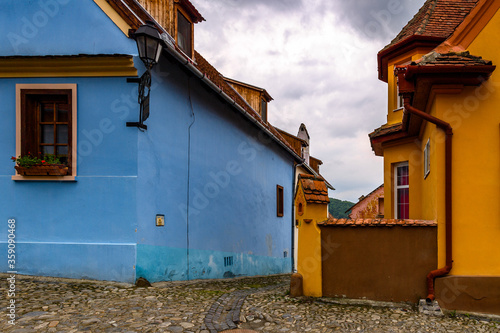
x: 43, y: 170
x: 49, y: 165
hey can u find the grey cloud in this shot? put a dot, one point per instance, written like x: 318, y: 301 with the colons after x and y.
x: 376, y: 19
x: 278, y: 5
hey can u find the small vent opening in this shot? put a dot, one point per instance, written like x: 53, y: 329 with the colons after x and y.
x: 228, y: 261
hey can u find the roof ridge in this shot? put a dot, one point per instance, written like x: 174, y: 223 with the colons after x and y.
x: 427, y: 17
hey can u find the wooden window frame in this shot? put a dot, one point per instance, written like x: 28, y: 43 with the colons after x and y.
x: 47, y: 89
x: 179, y: 9
x: 396, y: 187
x: 280, y: 204
x: 263, y: 109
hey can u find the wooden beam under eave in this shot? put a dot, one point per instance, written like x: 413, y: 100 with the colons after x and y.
x: 68, y: 66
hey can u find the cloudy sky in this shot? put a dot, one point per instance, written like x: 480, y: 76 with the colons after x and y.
x: 318, y: 60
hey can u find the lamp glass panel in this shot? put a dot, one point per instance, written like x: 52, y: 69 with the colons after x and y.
x: 141, y: 46
x: 152, y: 45
x: 158, y: 52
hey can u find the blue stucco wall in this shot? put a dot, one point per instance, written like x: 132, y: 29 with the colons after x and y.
x: 59, y: 27
x: 84, y: 228
x: 201, y: 164
x: 233, y: 172
x: 87, y: 228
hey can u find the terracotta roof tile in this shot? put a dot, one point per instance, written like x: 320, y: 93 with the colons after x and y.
x: 315, y: 189
x: 451, y: 59
x: 333, y: 222
x: 386, y: 130
x: 436, y: 18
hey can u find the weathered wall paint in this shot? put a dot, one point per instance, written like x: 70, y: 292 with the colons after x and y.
x: 233, y: 173
x: 469, y: 294
x: 369, y: 206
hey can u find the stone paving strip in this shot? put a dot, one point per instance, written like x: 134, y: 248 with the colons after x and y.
x: 260, y: 304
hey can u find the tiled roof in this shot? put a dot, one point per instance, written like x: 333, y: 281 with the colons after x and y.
x: 451, y: 59
x: 213, y: 75
x: 295, y: 142
x: 333, y: 222
x: 386, y: 130
x: 364, y: 197
x: 436, y: 18
x: 314, y: 188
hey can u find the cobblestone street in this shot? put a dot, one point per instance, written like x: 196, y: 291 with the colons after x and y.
x: 259, y: 304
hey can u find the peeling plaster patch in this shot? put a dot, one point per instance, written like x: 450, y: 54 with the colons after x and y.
x: 212, y: 264
x: 269, y: 242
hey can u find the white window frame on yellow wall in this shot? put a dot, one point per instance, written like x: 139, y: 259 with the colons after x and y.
x: 427, y: 158
x: 398, y: 187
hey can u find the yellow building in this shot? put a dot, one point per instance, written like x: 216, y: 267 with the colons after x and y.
x: 311, y: 205
x: 441, y: 144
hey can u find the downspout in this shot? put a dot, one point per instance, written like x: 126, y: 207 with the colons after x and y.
x: 189, y: 176
x: 446, y: 127
x: 294, y: 269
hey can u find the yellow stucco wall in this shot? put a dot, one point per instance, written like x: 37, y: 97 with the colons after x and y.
x: 408, y: 152
x: 475, y: 118
x: 309, y: 249
x: 476, y: 177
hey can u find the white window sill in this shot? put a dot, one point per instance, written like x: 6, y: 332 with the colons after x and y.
x: 398, y: 109
x: 45, y: 178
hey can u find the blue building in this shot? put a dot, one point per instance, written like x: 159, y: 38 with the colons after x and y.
x: 205, y: 192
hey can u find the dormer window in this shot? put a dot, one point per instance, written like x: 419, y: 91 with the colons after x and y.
x: 184, y: 33
x: 263, y: 109
x: 186, y: 16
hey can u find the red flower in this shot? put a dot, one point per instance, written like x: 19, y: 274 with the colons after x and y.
x: 13, y: 158
x: 43, y: 161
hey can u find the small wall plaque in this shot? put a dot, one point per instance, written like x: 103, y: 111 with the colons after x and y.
x: 160, y: 220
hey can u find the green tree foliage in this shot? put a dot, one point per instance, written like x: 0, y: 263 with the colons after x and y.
x: 338, y: 207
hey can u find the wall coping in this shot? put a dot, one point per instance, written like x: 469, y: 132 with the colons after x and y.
x: 333, y: 222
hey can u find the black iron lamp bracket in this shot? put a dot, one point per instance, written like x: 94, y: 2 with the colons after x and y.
x: 143, y: 99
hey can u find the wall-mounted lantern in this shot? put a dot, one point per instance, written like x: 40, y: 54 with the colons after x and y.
x: 149, y: 45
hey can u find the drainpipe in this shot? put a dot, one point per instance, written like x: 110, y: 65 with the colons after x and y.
x: 446, y: 127
x: 296, y: 166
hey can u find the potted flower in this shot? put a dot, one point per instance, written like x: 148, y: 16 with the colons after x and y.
x: 49, y: 165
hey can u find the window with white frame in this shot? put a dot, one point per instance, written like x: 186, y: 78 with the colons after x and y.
x: 399, y: 98
x: 427, y: 160
x: 401, y: 191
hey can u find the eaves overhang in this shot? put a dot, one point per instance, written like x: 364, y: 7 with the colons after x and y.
x: 422, y: 81
x: 402, y: 47
x: 191, y: 10
x: 386, y: 134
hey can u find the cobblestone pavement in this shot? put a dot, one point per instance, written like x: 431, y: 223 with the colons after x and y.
x: 260, y: 304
